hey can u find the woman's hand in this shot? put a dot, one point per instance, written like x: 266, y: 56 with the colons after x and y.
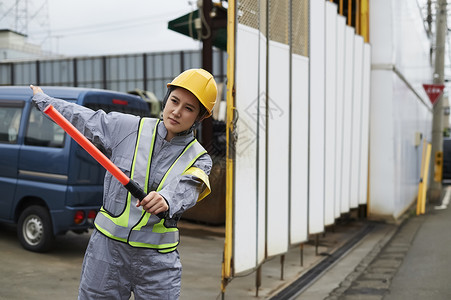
x: 36, y: 89
x: 153, y: 203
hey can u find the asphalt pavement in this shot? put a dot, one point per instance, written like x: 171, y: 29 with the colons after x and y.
x: 425, y: 271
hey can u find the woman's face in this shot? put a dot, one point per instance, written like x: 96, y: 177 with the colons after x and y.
x: 181, y: 110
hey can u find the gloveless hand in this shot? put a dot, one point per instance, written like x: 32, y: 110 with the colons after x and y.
x: 36, y: 89
x: 153, y: 203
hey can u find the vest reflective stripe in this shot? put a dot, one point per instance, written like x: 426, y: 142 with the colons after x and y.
x: 139, y: 237
x: 118, y: 228
x: 135, y: 226
x: 151, y: 237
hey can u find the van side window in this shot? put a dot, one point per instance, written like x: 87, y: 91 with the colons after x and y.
x: 9, y: 124
x: 41, y: 131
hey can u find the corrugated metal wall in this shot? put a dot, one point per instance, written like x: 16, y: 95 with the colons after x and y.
x: 148, y: 71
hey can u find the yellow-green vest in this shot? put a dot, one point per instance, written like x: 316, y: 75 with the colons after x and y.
x: 135, y: 226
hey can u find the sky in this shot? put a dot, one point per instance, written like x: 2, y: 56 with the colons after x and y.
x: 97, y: 27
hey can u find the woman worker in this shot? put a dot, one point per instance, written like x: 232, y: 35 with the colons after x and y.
x: 131, y: 248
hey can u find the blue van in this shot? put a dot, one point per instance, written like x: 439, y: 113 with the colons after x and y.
x: 49, y: 184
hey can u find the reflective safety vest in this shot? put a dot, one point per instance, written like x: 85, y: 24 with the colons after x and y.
x: 134, y: 225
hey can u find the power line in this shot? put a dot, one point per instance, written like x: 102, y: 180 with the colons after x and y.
x: 110, y: 26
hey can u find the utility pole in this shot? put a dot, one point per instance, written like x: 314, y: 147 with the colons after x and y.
x: 429, y: 18
x: 439, y: 78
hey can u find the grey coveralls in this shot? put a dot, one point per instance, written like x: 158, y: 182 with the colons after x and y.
x: 112, y: 269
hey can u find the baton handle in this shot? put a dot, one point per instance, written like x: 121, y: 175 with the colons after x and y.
x: 135, y: 190
x: 138, y: 193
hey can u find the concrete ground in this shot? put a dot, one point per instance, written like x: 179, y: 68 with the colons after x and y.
x: 56, y: 275
x: 28, y: 275
x: 413, y: 264
x: 410, y: 261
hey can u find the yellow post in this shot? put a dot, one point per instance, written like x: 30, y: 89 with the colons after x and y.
x: 420, y: 184
x: 438, y: 167
x: 425, y: 177
x: 227, y: 257
x: 364, y: 20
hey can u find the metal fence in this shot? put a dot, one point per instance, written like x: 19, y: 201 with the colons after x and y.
x: 147, y: 71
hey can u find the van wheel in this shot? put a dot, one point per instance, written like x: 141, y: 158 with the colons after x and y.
x: 35, y: 229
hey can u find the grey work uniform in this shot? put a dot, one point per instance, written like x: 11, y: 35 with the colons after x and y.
x: 112, y: 269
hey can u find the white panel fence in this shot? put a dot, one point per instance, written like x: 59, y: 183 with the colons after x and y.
x: 301, y: 153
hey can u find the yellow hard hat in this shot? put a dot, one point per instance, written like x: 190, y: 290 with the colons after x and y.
x: 199, y: 82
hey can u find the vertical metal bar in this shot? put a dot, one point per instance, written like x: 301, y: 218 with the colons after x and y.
x: 221, y: 66
x: 350, y: 12
x: 75, y: 63
x: 12, y: 73
x: 282, y: 264
x: 302, y: 255
x: 341, y: 8
x: 316, y: 244
x: 207, y: 43
x: 104, y: 72
x: 207, y: 64
x: 257, y: 141
x: 258, y: 280
x: 290, y: 116
x: 153, y: 72
x: 266, y: 123
x: 182, y: 61
x: 38, y: 71
x: 145, y: 71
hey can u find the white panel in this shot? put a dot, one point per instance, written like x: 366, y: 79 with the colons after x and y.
x: 347, y: 119
x: 245, y: 205
x: 382, y: 143
x: 341, y: 27
x: 316, y: 127
x: 299, y: 150
x: 398, y: 40
x: 330, y: 106
x: 382, y: 34
x: 356, y: 121
x: 365, y: 124
x: 278, y: 148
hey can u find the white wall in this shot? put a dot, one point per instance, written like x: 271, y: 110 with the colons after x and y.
x: 400, y: 65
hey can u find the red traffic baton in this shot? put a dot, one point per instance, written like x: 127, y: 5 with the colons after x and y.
x: 70, y: 129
